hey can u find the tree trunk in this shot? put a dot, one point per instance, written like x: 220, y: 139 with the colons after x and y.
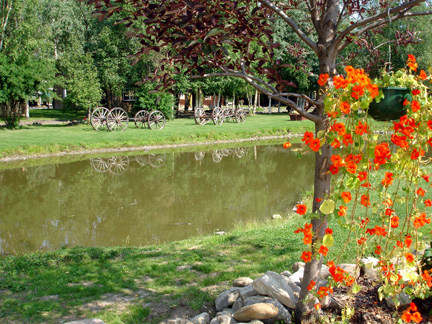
x: 255, y: 102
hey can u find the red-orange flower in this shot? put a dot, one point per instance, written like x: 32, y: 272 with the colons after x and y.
x: 415, y: 92
x: 361, y: 128
x: 428, y: 203
x: 347, y: 139
x: 287, y: 145
x: 415, y: 105
x: 307, y: 137
x: 365, y: 200
x: 378, y: 250
x: 388, y: 179
x: 422, y: 75
x: 323, y: 79
x: 394, y: 221
x: 382, y: 153
x: 421, y: 192
x: 345, y: 107
x: 315, y: 144
x: 342, y: 211
x: 336, y: 143
x: 311, y: 285
x: 306, y: 256
x: 409, y: 257
x: 301, y: 209
x: 339, y: 128
x: 408, y: 241
x: 323, y: 250
x: 346, y: 196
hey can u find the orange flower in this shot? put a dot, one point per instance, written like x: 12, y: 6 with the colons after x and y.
x: 362, y: 176
x: 329, y: 231
x: 422, y: 75
x: 346, y: 196
x: 361, y: 241
x: 388, y: 179
x: 415, y: 92
x: 339, y: 128
x: 306, y: 256
x: 337, y: 160
x: 411, y: 58
x: 428, y: 203
x: 416, y: 154
x: 406, y: 316
x: 347, y: 139
x: 287, y: 145
x: 336, y: 143
x: 323, y: 79
x: 416, y: 317
x: 365, y: 200
x: 409, y: 257
x: 408, y: 241
x: 421, y: 192
x: 351, y: 168
x: 301, y: 209
x: 345, y: 107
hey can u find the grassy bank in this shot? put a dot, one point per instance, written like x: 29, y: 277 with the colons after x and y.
x: 142, y: 285
x: 46, y: 139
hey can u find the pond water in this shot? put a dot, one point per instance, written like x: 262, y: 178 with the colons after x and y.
x: 136, y: 200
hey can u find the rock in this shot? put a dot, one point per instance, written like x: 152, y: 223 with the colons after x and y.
x: 403, y: 298
x: 238, y: 304
x: 226, y: 319
x: 324, y: 272
x: 227, y: 298
x: 368, y: 268
x: 242, y: 282
x: 259, y: 311
x: 203, y: 318
x: 283, y: 314
x: 296, y: 266
x: 276, y: 216
x: 297, y: 277
x: 286, y: 273
x: 351, y: 269
x: 87, y: 321
x: 248, y: 291
x: 214, y: 321
x: 276, y: 286
x: 178, y: 321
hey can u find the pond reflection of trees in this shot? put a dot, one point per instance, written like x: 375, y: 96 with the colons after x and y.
x: 118, y: 165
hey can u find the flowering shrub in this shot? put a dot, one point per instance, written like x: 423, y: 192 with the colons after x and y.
x: 379, y: 190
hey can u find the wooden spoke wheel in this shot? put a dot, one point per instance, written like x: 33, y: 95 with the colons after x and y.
x: 156, y: 160
x: 156, y: 120
x: 217, y: 116
x: 240, y: 116
x: 217, y: 156
x: 200, y: 116
x: 99, y: 165
x: 98, y: 118
x: 240, y: 152
x: 141, y: 118
x: 118, y: 164
x: 199, y: 156
x: 117, y: 119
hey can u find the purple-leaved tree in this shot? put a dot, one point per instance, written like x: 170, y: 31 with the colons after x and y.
x: 234, y: 38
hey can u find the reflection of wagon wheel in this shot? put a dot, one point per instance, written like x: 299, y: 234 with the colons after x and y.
x: 156, y: 160
x: 117, y: 119
x: 141, y: 159
x: 98, y: 118
x: 199, y: 116
x: 141, y: 118
x: 240, y: 116
x: 118, y: 164
x: 99, y: 165
x: 199, y: 156
x: 217, y: 156
x: 156, y: 120
x: 240, y: 152
x: 226, y: 152
x: 217, y: 116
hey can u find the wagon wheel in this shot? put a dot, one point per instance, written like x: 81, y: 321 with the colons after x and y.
x: 240, y: 152
x: 217, y: 116
x: 117, y: 119
x: 199, y: 116
x: 99, y: 165
x: 240, y: 116
x: 157, y: 160
x: 217, y: 156
x: 141, y: 160
x: 199, y: 156
x: 118, y: 164
x: 141, y: 118
x: 98, y: 118
x: 156, y: 120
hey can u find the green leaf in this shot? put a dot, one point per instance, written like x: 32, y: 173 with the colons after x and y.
x: 352, y: 183
x: 355, y: 288
x: 328, y: 240
x: 213, y: 32
x: 327, y: 207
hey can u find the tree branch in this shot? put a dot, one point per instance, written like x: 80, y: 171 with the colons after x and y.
x: 270, y: 5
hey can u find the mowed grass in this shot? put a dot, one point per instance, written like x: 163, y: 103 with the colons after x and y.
x: 49, y: 287
x: 46, y: 139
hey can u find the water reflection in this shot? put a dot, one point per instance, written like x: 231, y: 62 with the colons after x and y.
x: 146, y: 198
x: 118, y: 165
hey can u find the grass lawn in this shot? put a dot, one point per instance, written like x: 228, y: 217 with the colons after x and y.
x: 33, y: 140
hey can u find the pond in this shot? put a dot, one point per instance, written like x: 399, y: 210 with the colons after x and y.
x: 141, y: 199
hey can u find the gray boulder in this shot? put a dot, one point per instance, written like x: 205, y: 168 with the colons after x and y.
x: 227, y: 298
x: 277, y: 286
x: 259, y: 311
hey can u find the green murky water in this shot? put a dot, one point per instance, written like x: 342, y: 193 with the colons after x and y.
x: 148, y: 198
